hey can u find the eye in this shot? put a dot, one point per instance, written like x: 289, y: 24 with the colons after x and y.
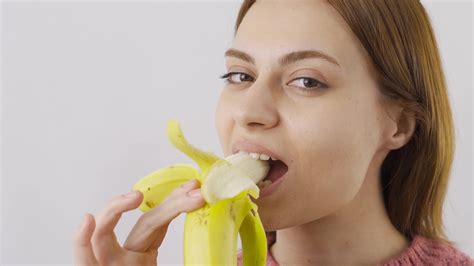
x: 308, y: 84
x: 236, y: 77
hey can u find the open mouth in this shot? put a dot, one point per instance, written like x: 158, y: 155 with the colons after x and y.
x: 277, y: 169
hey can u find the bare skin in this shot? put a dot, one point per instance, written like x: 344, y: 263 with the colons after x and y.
x: 329, y: 210
x: 96, y: 244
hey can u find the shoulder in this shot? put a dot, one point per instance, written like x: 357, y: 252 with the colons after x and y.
x: 426, y: 251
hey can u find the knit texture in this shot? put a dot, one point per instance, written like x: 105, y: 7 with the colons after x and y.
x: 422, y: 251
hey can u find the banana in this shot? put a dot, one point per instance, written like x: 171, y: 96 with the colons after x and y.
x: 211, y: 232
x: 226, y: 181
x: 253, y: 168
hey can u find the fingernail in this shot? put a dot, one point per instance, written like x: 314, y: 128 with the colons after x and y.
x: 130, y: 194
x: 195, y: 193
x: 189, y: 184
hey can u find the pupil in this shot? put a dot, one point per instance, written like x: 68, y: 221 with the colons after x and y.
x: 308, y: 82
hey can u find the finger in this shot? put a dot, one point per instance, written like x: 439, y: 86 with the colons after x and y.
x: 83, y: 253
x: 104, y: 240
x: 150, y: 229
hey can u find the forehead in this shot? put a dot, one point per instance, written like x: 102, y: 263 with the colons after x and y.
x: 274, y: 27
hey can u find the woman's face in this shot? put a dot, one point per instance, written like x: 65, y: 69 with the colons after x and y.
x: 329, y: 136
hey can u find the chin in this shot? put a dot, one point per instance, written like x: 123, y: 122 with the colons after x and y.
x: 272, y: 222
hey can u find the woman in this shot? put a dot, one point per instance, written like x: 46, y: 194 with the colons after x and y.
x: 351, y: 96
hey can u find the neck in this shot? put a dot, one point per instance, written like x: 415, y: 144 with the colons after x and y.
x: 358, y: 234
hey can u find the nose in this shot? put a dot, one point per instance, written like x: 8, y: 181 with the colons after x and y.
x: 256, y: 108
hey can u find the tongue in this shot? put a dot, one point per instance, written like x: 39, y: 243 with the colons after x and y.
x: 277, y: 170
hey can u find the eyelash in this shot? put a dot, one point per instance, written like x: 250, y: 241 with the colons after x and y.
x: 304, y: 89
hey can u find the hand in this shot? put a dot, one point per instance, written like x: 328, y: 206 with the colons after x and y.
x: 95, y: 243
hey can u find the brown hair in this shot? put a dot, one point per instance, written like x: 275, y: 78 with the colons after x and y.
x: 399, y: 39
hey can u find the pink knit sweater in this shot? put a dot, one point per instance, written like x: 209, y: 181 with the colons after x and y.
x: 422, y: 251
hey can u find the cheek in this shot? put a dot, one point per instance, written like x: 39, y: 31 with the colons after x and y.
x: 330, y: 162
x: 340, y: 149
x: 333, y: 148
x: 223, y: 123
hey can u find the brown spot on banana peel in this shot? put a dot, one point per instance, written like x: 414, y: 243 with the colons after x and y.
x: 231, y: 211
x: 149, y: 204
x: 202, y: 215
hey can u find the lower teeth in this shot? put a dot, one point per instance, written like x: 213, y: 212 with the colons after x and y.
x: 264, y: 183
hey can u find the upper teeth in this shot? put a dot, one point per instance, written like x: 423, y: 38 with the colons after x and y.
x: 263, y: 157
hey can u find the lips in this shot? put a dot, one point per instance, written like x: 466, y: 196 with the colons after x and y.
x: 252, y: 146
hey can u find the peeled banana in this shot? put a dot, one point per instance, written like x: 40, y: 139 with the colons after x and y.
x: 211, y: 232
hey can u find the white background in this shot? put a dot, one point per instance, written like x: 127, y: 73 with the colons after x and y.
x: 87, y: 89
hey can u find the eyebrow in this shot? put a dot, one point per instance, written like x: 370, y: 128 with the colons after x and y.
x: 285, y: 59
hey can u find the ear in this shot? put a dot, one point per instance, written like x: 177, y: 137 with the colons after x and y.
x: 400, y: 128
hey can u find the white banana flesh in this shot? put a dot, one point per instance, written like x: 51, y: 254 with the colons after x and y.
x: 255, y: 169
x: 237, y: 173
